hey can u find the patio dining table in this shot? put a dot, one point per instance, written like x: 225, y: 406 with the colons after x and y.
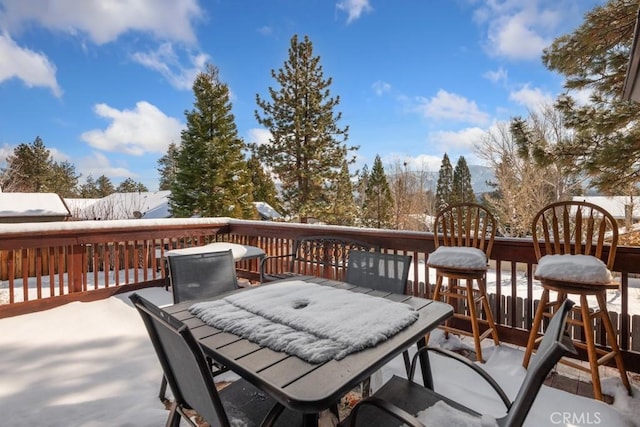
x: 312, y: 387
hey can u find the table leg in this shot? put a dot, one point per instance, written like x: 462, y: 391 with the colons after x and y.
x: 425, y: 366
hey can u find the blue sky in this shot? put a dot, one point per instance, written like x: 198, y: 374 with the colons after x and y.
x: 105, y: 83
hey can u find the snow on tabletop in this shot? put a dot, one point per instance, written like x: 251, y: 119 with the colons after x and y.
x: 573, y: 268
x: 458, y: 257
x: 314, y: 322
x: 239, y: 251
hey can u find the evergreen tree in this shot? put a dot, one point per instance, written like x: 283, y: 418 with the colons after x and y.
x: 63, y: 179
x: 378, y: 205
x: 306, y: 150
x: 361, y: 188
x: 167, y: 167
x: 594, y: 58
x: 343, y: 206
x: 264, y: 189
x: 462, y: 190
x: 31, y: 168
x: 104, y: 187
x: 89, y: 189
x: 444, y: 186
x: 130, y: 186
x: 211, y: 176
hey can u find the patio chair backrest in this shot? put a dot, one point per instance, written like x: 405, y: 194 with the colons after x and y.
x: 377, y: 270
x: 554, y: 344
x: 201, y: 275
x: 183, y: 362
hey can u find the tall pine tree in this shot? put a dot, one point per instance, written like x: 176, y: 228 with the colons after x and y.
x: 594, y: 59
x: 378, y: 205
x: 444, y: 186
x: 343, y: 207
x: 130, y: 186
x: 361, y: 188
x: 168, y: 166
x: 462, y: 190
x: 104, y: 186
x: 211, y: 175
x: 264, y: 189
x: 307, y: 147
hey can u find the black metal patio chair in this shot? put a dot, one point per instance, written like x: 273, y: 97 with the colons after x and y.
x: 197, y: 276
x: 378, y: 270
x: 189, y: 377
x: 399, y: 400
x: 383, y: 272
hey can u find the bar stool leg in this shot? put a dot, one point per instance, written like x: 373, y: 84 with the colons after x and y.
x: 587, y: 322
x: 537, y: 320
x: 475, y: 328
x: 487, y: 311
x: 613, y: 340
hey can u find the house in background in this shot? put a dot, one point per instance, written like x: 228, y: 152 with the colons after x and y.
x: 143, y: 204
x: 32, y: 207
x: 267, y: 212
x: 624, y: 209
x: 119, y: 205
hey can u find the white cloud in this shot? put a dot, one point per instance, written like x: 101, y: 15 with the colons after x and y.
x: 104, y: 21
x: 58, y: 155
x: 166, y: 61
x: 354, y: 8
x: 138, y: 131
x: 461, y: 140
x: 521, y: 29
x: 582, y: 96
x: 450, y: 106
x: 259, y: 136
x: 381, y: 87
x: 33, y: 68
x: 265, y: 30
x: 5, y: 151
x: 98, y: 164
x: 497, y: 76
x: 532, y: 98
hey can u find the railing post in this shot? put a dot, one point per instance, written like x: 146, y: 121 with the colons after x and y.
x: 75, y: 268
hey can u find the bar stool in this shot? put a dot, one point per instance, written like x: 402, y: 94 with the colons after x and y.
x: 467, y: 231
x: 568, y: 239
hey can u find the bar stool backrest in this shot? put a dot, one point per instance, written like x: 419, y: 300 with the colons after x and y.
x: 575, y: 228
x: 465, y: 224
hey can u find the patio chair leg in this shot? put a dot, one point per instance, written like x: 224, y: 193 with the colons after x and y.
x: 162, y: 394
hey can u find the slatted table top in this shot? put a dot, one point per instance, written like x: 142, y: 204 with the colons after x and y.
x: 303, y: 386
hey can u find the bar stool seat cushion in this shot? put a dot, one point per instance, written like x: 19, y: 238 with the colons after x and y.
x: 458, y: 257
x: 573, y: 268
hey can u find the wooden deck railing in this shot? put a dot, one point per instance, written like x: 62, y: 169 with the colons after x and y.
x: 42, y: 266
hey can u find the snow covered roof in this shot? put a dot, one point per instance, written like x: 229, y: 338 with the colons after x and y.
x: 615, y: 205
x: 14, y: 207
x: 266, y: 211
x: 147, y: 205
x: 125, y: 205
